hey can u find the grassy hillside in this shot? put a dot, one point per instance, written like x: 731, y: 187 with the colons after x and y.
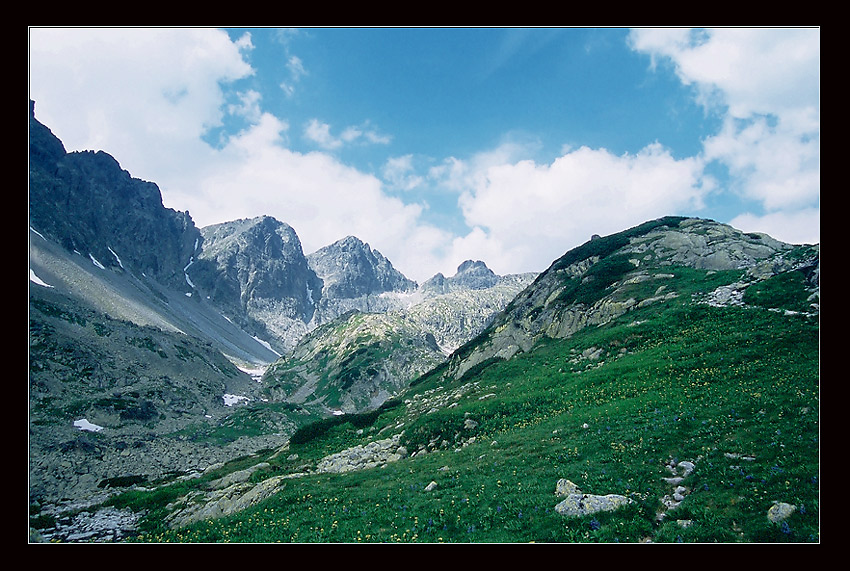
x: 734, y: 390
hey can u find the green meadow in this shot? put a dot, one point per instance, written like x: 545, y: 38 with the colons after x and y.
x: 734, y: 390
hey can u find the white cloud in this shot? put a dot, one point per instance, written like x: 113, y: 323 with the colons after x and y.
x: 399, y: 173
x: 248, y: 106
x: 797, y: 227
x: 320, y: 133
x: 777, y: 166
x: 144, y: 95
x: 767, y: 83
x: 525, y: 214
x: 296, y: 67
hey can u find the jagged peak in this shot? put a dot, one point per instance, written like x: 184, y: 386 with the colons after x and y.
x: 472, y: 265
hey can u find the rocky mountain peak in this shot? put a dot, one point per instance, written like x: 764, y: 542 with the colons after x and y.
x: 90, y: 205
x: 475, y: 275
x: 471, y: 274
x: 255, y: 269
x: 350, y: 268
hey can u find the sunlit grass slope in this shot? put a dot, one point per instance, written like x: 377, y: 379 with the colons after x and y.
x: 734, y: 390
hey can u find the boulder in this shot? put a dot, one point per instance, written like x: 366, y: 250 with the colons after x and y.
x: 578, y: 504
x: 780, y: 511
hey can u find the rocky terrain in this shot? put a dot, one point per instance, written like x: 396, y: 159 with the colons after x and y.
x: 160, y: 352
x: 607, y: 277
x: 256, y: 273
x: 356, y: 277
x: 149, y: 337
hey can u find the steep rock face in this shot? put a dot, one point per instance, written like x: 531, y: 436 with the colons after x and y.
x: 470, y: 275
x: 607, y: 277
x: 350, y: 268
x: 356, y: 277
x: 89, y: 204
x: 256, y: 271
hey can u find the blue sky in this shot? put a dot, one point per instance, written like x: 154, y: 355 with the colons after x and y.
x: 437, y: 145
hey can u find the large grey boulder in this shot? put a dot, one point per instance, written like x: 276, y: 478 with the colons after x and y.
x: 577, y: 504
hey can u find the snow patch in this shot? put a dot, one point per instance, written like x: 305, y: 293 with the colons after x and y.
x: 255, y: 373
x: 116, y: 256
x: 37, y: 280
x: 96, y: 263
x: 84, y: 424
x: 265, y: 344
x: 185, y: 269
x: 230, y: 400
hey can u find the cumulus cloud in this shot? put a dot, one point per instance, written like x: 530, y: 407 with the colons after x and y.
x: 400, y: 173
x: 797, y: 227
x: 320, y: 134
x: 146, y: 96
x: 766, y: 82
x: 525, y: 214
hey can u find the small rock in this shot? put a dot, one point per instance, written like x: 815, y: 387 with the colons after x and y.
x: 780, y: 511
x: 430, y: 487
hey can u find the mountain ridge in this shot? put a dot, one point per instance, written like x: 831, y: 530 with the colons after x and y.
x: 678, y: 342
x: 109, y: 264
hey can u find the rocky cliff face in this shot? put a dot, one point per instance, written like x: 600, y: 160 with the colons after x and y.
x: 256, y: 272
x: 471, y: 275
x: 356, y: 277
x: 608, y: 277
x: 89, y: 204
x: 350, y: 268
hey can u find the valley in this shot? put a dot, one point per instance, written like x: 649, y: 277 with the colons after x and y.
x: 660, y: 384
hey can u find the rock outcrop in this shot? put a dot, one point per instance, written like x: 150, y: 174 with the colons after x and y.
x: 201, y: 506
x: 609, y: 276
x: 353, y: 363
x: 89, y: 204
x: 256, y: 272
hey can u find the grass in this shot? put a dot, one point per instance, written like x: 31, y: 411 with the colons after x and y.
x: 734, y: 390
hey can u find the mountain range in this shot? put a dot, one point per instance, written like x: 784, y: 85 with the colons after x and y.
x: 106, y: 257
x: 162, y: 354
